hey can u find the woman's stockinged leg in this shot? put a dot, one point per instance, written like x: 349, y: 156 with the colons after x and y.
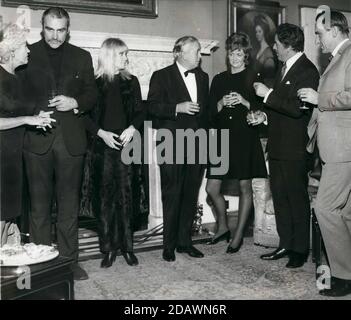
x: 213, y: 189
x: 245, y: 207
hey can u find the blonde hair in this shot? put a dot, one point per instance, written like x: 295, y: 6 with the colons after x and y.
x: 11, y: 38
x: 106, y: 59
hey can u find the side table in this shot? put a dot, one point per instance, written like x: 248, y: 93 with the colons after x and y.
x: 52, y: 280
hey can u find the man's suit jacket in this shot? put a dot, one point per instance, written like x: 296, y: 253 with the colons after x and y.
x: 287, y: 123
x: 331, y: 121
x: 167, y: 89
x: 76, y: 80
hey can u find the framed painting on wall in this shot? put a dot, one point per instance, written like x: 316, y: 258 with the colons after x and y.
x: 134, y: 8
x: 259, y: 20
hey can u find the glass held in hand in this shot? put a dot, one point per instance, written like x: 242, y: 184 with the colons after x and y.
x: 232, y: 94
x: 303, y: 105
x: 251, y: 116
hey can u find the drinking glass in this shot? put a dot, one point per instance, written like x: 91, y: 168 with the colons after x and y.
x: 303, y: 106
x: 251, y: 115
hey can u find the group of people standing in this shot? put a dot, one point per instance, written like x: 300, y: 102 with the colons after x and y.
x: 58, y: 99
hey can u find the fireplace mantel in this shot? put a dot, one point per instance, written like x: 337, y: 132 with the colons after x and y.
x: 87, y: 39
x: 147, y: 52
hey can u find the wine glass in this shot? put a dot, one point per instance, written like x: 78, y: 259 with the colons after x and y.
x: 251, y: 116
x: 232, y: 93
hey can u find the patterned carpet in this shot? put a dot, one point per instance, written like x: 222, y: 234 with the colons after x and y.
x: 216, y: 276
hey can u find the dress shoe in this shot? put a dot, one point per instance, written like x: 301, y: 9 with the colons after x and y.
x: 276, y: 254
x: 106, y: 260
x: 339, y: 288
x: 296, y: 260
x: 79, y: 273
x: 230, y: 249
x: 130, y: 258
x: 223, y: 236
x: 191, y: 251
x: 168, y: 255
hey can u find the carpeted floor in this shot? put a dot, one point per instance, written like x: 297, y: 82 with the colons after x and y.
x: 216, y: 276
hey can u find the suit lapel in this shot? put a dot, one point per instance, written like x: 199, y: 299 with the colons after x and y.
x: 294, y: 67
x: 337, y: 56
x: 65, y: 65
x: 331, y: 63
x: 183, y: 91
x: 199, y: 86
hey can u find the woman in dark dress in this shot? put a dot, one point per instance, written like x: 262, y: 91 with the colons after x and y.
x: 231, y: 98
x: 14, y: 115
x: 115, y: 119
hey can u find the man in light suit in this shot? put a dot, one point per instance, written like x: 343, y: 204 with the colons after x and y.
x: 330, y: 126
x: 177, y: 99
x: 59, y: 77
x: 286, y: 146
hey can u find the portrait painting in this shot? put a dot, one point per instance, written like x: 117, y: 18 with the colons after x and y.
x: 259, y: 21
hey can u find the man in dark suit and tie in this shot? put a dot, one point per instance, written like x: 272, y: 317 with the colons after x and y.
x: 177, y: 99
x: 59, y: 77
x: 287, y: 140
x: 330, y: 126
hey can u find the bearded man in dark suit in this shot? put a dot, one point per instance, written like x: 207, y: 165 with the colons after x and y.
x: 59, y: 77
x: 177, y: 99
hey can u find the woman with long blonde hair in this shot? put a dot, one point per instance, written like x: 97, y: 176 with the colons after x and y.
x: 118, y: 114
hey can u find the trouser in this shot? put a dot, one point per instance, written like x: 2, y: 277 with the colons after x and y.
x: 55, y: 171
x: 288, y: 180
x: 333, y: 211
x: 180, y: 184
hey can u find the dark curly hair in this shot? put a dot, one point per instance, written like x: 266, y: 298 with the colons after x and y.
x: 291, y: 35
x: 239, y: 41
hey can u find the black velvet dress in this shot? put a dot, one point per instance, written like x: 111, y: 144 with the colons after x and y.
x: 107, y: 186
x: 246, y: 159
x: 11, y: 145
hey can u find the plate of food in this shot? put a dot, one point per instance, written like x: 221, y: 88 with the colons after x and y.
x: 30, y: 253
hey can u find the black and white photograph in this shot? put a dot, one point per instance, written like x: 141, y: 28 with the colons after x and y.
x: 177, y: 157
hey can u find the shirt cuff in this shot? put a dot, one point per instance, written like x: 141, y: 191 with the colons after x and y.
x: 267, y: 95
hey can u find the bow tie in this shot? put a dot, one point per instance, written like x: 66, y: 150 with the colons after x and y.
x: 189, y: 71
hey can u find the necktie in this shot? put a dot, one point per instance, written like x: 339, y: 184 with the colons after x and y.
x: 282, y: 72
x: 189, y: 71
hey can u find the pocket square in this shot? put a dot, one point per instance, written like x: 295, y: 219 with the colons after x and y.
x: 288, y: 82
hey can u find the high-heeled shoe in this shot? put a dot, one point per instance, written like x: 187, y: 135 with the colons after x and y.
x: 106, y: 260
x: 113, y: 257
x: 230, y: 249
x: 224, y: 236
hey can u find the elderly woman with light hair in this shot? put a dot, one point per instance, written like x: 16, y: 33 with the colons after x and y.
x: 15, y: 114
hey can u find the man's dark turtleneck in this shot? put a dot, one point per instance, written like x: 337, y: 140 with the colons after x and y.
x: 55, y: 58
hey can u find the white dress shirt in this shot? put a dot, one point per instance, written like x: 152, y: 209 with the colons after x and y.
x: 190, y: 82
x: 289, y: 63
